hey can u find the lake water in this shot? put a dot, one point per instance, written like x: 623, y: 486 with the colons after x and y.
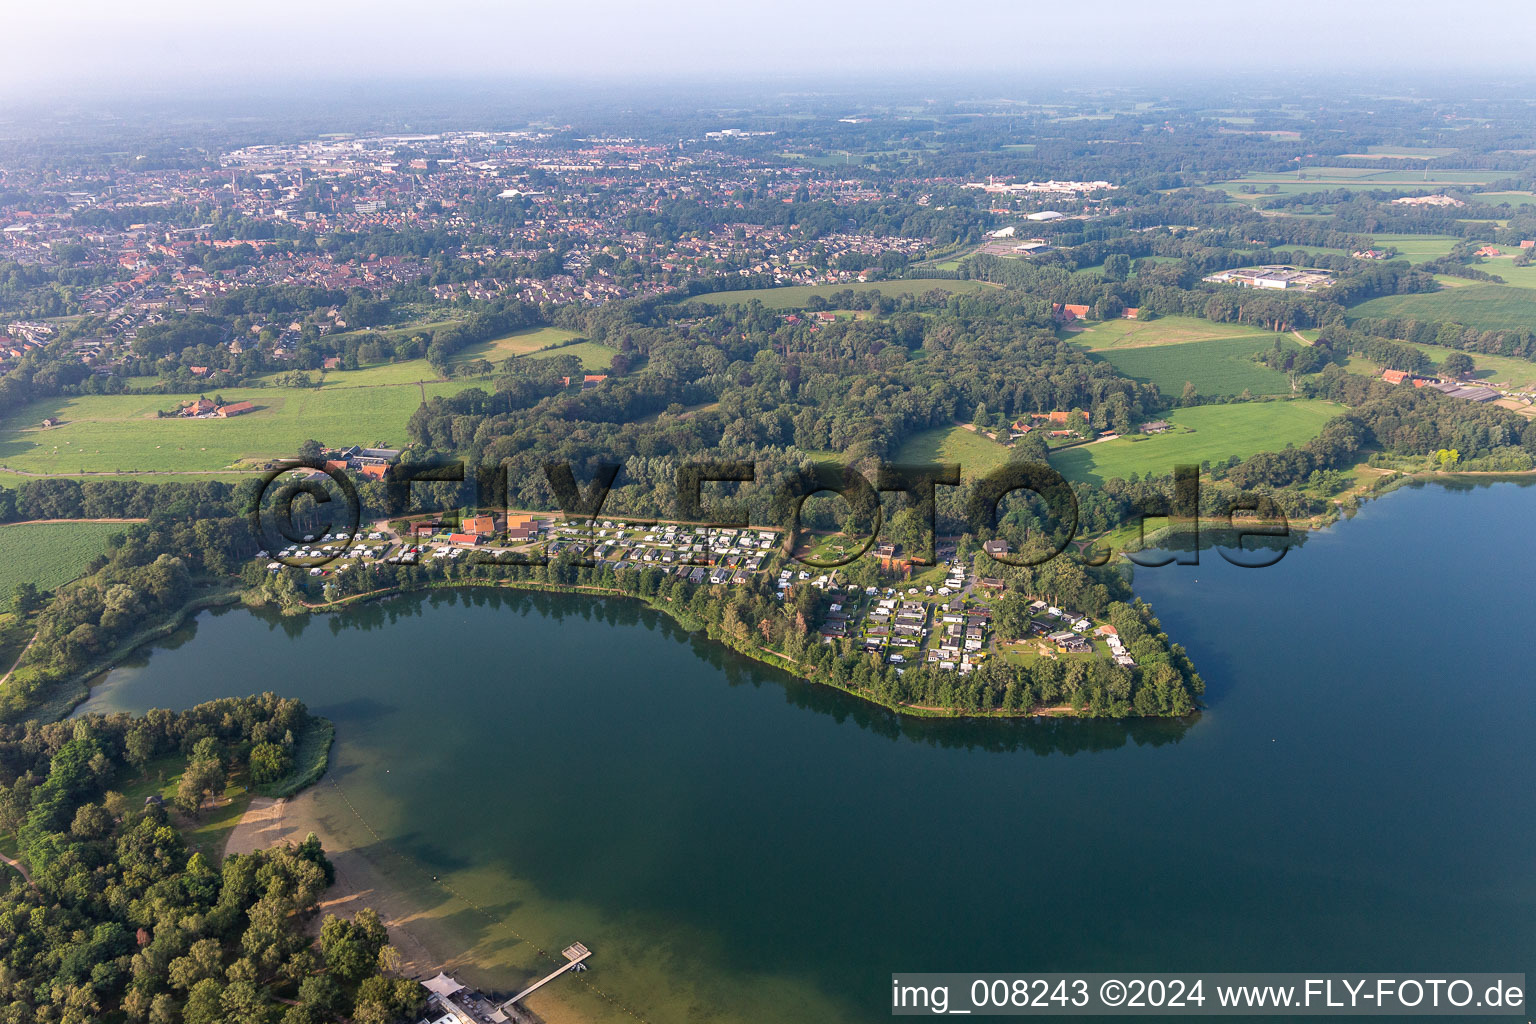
x: 739, y: 846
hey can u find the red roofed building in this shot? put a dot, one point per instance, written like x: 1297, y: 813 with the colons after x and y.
x: 1395, y: 376
x: 235, y: 409
x: 466, y: 539
x: 1068, y: 312
x: 373, y: 471
x: 482, y: 525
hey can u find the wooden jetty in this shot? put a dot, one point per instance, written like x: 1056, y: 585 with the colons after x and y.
x: 574, y: 954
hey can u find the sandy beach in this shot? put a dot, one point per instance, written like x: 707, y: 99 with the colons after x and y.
x: 268, y: 822
x: 416, y: 911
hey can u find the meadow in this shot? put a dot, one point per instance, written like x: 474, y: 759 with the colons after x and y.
x: 1417, y: 249
x: 796, y: 296
x: 1512, y: 198
x: 976, y: 455
x: 1221, y: 366
x: 1207, y: 432
x: 1169, y: 330
x: 49, y: 554
x: 518, y: 343
x: 595, y: 358
x: 1484, y: 306
x: 120, y: 433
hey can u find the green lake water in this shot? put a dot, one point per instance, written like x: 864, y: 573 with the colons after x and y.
x: 735, y: 845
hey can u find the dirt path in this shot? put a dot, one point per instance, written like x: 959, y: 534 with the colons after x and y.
x: 8, y: 672
x: 108, y: 474
x: 18, y: 866
x: 33, y: 522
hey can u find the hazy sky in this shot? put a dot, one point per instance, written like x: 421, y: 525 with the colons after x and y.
x: 60, y: 46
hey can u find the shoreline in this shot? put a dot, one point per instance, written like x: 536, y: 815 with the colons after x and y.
x: 416, y: 910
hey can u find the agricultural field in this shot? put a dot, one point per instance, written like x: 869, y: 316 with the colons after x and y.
x: 1223, y: 366
x: 1417, y: 249
x: 1367, y: 177
x: 1169, y: 330
x: 1515, y: 277
x: 976, y: 455
x: 1400, y: 152
x: 49, y: 554
x: 595, y: 358
x: 796, y: 296
x: 1484, y: 306
x: 518, y: 343
x: 1512, y: 198
x: 1207, y: 432
x: 121, y: 433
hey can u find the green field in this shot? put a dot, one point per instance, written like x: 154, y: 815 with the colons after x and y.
x: 1417, y: 249
x: 49, y: 554
x: 594, y: 358
x: 1211, y: 432
x: 1512, y: 198
x: 1401, y: 152
x: 1169, y: 330
x: 518, y: 343
x: 1224, y: 366
x: 796, y: 296
x: 1515, y: 277
x: 1367, y: 177
x: 1484, y: 306
x: 119, y: 433
x: 976, y: 455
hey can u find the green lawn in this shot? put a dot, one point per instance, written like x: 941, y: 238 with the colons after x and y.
x: 1484, y: 306
x: 110, y: 433
x: 518, y: 343
x: 1168, y: 330
x: 976, y: 455
x: 796, y: 296
x: 595, y: 358
x: 209, y: 832
x: 1211, y: 432
x: 49, y: 554
x: 1224, y: 366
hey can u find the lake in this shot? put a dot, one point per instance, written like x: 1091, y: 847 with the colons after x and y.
x: 736, y: 845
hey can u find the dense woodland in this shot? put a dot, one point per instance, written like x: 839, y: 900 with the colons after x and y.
x: 121, y: 921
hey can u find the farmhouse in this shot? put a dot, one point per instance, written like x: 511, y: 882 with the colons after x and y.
x: 234, y: 409
x: 1394, y: 376
x: 483, y: 526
